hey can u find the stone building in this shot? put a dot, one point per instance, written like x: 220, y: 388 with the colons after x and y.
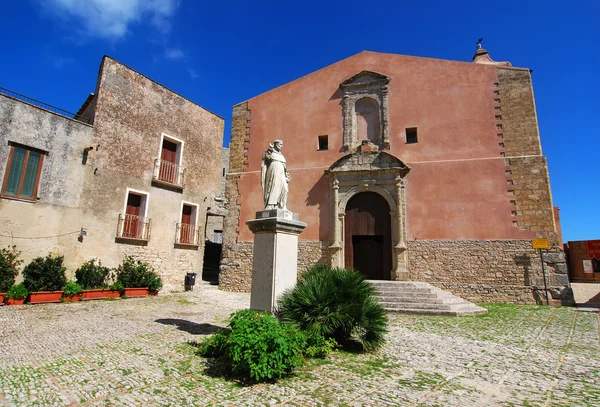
x: 404, y: 168
x: 134, y: 172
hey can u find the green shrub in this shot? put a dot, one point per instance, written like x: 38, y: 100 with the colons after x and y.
x: 45, y: 274
x: 154, y: 282
x: 72, y: 288
x: 317, y: 346
x: 17, y: 292
x: 92, y: 276
x: 134, y: 273
x: 335, y: 303
x: 257, y: 346
x: 117, y: 286
x: 9, y: 263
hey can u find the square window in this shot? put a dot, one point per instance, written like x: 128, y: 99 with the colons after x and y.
x: 23, y: 171
x: 411, y: 135
x: 323, y: 143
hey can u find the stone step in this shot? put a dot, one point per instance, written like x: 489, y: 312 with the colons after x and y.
x: 416, y: 297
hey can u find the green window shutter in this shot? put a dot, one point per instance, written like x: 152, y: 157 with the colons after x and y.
x: 30, y: 174
x: 15, y: 171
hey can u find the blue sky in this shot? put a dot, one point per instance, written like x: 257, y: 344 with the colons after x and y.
x: 221, y: 53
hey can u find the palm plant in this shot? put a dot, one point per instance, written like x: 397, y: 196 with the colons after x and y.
x: 335, y: 303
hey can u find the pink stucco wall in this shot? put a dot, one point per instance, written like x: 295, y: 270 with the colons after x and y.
x: 457, y: 188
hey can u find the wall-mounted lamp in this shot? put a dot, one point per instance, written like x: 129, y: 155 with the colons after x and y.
x: 82, y: 233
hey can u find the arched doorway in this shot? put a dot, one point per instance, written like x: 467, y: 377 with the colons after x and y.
x: 367, y: 236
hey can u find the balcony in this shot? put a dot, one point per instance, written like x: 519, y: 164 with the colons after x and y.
x: 132, y: 227
x: 167, y: 173
x: 188, y: 235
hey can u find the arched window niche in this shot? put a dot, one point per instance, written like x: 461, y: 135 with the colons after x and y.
x: 365, y: 110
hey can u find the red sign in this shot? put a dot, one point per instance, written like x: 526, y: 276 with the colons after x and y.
x: 593, y: 248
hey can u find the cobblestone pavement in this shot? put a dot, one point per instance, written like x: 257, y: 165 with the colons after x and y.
x: 134, y: 353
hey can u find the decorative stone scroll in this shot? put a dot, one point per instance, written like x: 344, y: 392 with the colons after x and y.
x: 376, y: 171
x: 365, y: 86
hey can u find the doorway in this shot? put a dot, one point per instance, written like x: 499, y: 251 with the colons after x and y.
x: 367, y: 236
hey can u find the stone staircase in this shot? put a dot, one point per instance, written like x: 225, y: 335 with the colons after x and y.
x: 412, y: 297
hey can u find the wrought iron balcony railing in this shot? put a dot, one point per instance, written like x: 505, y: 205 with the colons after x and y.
x: 187, y: 234
x: 133, y: 227
x: 169, y: 173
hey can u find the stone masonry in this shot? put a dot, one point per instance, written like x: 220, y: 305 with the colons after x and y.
x: 488, y: 270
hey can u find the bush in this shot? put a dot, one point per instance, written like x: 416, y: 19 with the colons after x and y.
x: 8, y: 267
x: 17, y: 292
x: 117, y: 286
x: 257, y: 346
x: 317, y: 346
x: 137, y: 274
x: 45, y: 274
x: 335, y: 303
x: 72, y: 288
x: 92, y: 276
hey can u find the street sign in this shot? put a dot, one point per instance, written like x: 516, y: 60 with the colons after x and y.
x: 539, y: 243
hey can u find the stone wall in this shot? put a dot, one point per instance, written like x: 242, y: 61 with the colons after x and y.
x: 489, y: 270
x: 237, y: 264
x: 528, y: 179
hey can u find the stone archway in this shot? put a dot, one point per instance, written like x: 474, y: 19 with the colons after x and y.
x: 368, y: 236
x: 370, y: 171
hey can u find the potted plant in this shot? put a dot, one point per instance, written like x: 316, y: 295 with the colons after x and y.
x: 8, y: 269
x: 154, y: 284
x: 115, y: 290
x: 93, y: 278
x: 16, y: 295
x: 44, y: 278
x: 135, y: 276
x: 72, y: 292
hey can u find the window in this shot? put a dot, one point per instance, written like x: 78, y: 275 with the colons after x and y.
x: 323, y: 143
x: 133, y: 223
x: 218, y: 236
x: 167, y: 167
x: 411, y: 135
x: 187, y: 233
x: 23, y: 172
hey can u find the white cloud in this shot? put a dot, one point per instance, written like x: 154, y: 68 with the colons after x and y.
x: 193, y: 74
x: 174, y: 54
x: 111, y: 19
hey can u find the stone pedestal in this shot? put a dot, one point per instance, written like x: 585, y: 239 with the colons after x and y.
x: 275, y: 259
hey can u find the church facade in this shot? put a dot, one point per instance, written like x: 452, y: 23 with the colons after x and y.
x: 405, y: 168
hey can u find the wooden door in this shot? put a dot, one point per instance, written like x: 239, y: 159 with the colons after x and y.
x: 167, y: 163
x: 367, y: 236
x: 133, y: 222
x: 187, y: 225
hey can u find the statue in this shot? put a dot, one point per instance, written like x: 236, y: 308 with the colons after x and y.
x: 274, y: 177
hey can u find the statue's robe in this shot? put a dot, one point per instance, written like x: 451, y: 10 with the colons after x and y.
x: 274, y: 181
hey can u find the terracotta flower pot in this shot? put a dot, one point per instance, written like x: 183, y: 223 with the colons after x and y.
x: 114, y: 294
x: 153, y: 293
x: 42, y: 297
x: 72, y: 298
x: 97, y: 294
x: 13, y: 301
x: 135, y: 292
x: 2, y: 298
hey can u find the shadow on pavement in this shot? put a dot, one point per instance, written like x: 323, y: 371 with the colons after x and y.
x: 189, y: 326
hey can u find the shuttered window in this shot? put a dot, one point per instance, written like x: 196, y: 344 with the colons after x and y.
x: 22, y: 173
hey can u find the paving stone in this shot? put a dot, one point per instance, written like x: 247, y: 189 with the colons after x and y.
x: 134, y: 352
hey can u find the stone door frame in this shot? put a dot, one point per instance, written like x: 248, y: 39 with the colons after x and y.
x: 356, y: 173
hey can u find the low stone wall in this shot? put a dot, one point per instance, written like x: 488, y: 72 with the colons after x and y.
x: 477, y: 270
x: 236, y: 265
x: 490, y: 270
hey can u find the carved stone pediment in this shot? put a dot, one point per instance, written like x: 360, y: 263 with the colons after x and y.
x: 373, y: 161
x: 365, y: 78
